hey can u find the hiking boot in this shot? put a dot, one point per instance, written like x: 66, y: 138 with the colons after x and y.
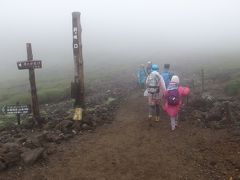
x: 149, y: 117
x: 157, y: 118
x: 150, y: 120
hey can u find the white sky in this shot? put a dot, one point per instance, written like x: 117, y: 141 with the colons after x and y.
x: 115, y: 29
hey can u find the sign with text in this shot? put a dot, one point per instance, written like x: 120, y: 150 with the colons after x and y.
x: 16, y: 109
x: 29, y: 64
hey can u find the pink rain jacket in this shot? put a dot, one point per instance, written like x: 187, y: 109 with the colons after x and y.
x: 172, y: 111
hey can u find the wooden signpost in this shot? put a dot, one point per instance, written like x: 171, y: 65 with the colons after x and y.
x: 78, y: 85
x: 31, y: 64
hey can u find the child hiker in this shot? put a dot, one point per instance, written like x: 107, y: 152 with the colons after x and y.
x: 155, y: 89
x: 173, y: 100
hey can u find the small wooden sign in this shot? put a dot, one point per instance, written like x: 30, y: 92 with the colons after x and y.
x: 35, y: 64
x: 16, y: 109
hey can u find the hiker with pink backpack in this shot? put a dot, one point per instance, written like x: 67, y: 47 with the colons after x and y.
x: 174, y: 99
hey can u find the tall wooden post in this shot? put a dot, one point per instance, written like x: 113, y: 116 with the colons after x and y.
x: 78, y: 66
x: 35, y: 105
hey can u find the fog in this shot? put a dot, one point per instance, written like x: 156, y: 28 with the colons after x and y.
x: 125, y: 30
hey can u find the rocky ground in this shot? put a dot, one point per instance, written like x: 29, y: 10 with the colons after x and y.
x: 207, y: 146
x: 27, y: 143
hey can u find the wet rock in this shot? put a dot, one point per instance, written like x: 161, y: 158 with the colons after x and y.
x: 11, y: 146
x: 64, y: 125
x: 49, y: 125
x: 54, y: 138
x: 6, y: 138
x: 42, y: 137
x: 74, y: 132
x: 68, y: 136
x: 216, y: 113
x: 51, y: 149
x: 29, y: 156
x: 200, y: 104
x: 32, y: 143
x: 21, y: 140
x: 85, y: 126
x: 207, y: 97
x: 76, y: 126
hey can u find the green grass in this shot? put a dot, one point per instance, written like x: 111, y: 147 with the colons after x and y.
x: 52, y: 88
x: 7, y: 120
x: 233, y: 87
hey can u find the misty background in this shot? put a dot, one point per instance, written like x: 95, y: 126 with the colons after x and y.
x: 114, y: 33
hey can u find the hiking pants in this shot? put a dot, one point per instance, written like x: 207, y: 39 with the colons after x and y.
x: 154, y: 110
x: 174, y: 122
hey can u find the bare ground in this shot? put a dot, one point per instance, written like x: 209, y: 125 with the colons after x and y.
x: 130, y: 149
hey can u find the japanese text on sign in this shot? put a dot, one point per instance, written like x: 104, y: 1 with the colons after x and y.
x: 75, y: 37
x: 17, y: 109
x: 29, y: 64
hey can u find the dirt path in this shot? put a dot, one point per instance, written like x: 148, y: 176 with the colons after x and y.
x: 129, y: 149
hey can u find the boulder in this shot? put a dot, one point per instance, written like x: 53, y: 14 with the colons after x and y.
x: 54, y: 138
x: 21, y: 140
x: 29, y: 156
x: 11, y: 146
x: 216, y: 113
x: 85, y: 126
x: 32, y: 143
x: 64, y: 125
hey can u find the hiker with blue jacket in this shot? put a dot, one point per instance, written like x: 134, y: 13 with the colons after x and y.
x: 166, y: 74
x: 142, y: 76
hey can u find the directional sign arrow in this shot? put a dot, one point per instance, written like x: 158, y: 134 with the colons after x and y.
x: 4, y: 109
x: 34, y: 64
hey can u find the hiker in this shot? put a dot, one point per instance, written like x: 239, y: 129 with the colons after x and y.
x: 174, y: 99
x: 149, y: 67
x: 142, y: 76
x: 155, y: 89
x: 166, y: 74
